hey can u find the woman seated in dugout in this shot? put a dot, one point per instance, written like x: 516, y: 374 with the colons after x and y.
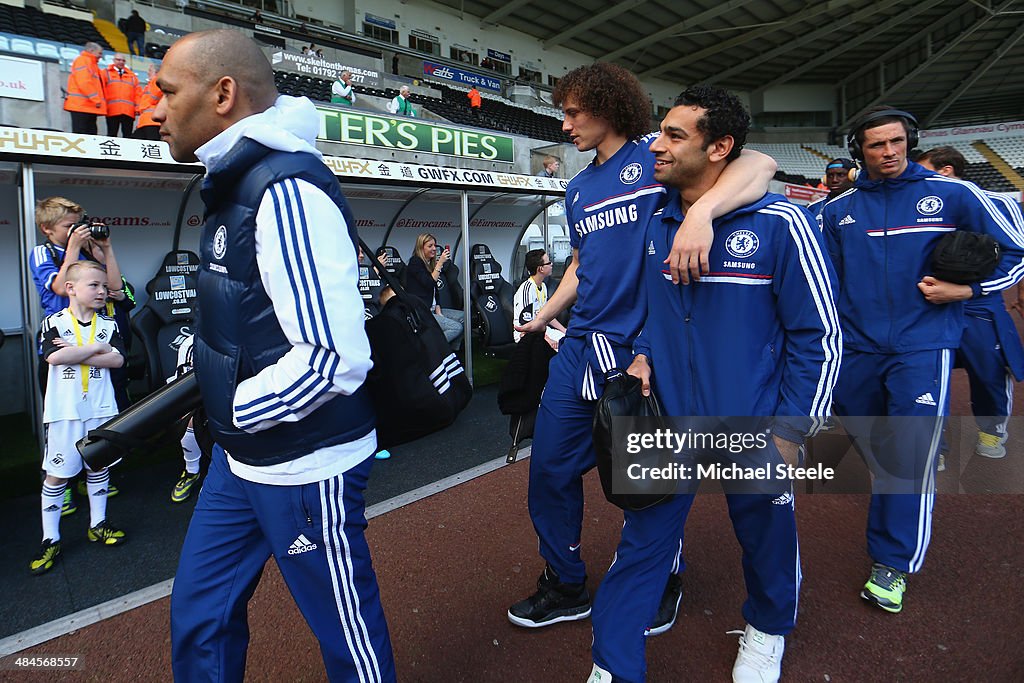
x: 422, y: 275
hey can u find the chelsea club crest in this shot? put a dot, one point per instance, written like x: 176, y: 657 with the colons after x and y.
x: 631, y: 173
x: 220, y: 242
x: 929, y: 206
x: 741, y: 244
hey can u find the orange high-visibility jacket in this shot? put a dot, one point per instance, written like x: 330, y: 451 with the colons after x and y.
x: 148, y: 98
x: 474, y: 98
x: 85, y: 88
x: 121, y: 89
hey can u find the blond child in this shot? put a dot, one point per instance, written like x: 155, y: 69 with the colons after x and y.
x: 80, y: 346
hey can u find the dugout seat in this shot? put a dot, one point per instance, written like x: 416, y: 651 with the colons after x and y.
x: 370, y: 287
x: 492, y: 302
x: 449, y: 290
x: 168, y: 316
x: 395, y: 266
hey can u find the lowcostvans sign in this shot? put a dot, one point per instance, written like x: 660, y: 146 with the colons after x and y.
x: 357, y: 128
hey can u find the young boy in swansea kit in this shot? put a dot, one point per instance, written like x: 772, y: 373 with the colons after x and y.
x: 80, y: 346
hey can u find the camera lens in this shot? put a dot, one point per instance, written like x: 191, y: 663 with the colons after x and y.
x: 99, y: 231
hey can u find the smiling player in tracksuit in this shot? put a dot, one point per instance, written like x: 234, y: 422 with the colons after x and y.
x: 900, y: 326
x: 757, y: 337
x: 608, y: 205
x: 990, y: 349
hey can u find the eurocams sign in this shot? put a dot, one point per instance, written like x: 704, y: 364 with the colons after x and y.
x: 357, y: 128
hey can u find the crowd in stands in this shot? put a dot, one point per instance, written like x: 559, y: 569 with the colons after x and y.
x: 111, y: 90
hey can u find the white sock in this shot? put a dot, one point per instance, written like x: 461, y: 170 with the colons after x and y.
x: 191, y: 451
x: 52, y: 500
x: 97, y: 483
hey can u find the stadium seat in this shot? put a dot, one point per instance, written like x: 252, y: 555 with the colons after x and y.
x: 449, y: 290
x: 47, y: 50
x: 69, y: 54
x: 22, y: 46
x: 163, y: 320
x: 396, y: 266
x: 5, y: 45
x: 492, y: 302
x: 370, y: 286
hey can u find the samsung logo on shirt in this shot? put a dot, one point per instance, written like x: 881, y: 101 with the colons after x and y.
x: 619, y: 215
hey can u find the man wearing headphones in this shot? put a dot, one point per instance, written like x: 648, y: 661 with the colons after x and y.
x: 839, y: 176
x: 900, y: 327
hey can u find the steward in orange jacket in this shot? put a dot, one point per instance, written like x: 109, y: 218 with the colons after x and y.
x: 475, y: 101
x: 86, y: 100
x: 148, y: 98
x: 121, y: 86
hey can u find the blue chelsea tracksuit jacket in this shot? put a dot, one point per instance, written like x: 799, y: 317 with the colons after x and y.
x: 896, y: 224
x: 762, y: 330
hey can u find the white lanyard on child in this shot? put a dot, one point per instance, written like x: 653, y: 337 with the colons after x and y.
x: 83, y: 369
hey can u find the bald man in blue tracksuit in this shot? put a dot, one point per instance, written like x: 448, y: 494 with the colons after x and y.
x: 900, y: 327
x: 758, y: 337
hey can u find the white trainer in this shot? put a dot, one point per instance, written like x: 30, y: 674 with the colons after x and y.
x: 599, y: 675
x: 760, y: 657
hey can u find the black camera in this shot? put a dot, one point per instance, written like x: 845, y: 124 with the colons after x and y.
x: 98, y: 229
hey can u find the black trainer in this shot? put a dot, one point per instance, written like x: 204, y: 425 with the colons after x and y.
x: 669, y: 607
x: 553, y: 602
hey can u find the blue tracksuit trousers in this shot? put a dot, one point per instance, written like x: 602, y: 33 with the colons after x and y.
x: 315, y: 533
x: 764, y: 525
x: 893, y: 406
x: 980, y: 354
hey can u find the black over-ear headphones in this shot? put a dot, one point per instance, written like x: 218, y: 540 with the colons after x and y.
x: 853, y: 145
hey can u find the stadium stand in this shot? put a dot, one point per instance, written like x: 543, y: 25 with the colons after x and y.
x: 29, y: 21
x: 496, y: 113
x: 1011, y: 151
x: 451, y: 106
x: 803, y: 164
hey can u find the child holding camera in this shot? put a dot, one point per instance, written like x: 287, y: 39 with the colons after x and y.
x: 70, y: 237
x: 79, y: 346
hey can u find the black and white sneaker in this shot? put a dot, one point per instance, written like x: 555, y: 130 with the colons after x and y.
x: 553, y: 602
x: 669, y: 607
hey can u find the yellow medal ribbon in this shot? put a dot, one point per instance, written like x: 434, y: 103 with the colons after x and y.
x: 83, y: 369
x: 540, y: 295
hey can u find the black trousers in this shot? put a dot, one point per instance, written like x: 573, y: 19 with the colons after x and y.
x: 148, y: 133
x: 83, y: 123
x: 121, y: 122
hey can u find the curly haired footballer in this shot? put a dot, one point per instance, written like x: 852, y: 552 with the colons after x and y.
x: 725, y: 115
x: 609, y: 92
